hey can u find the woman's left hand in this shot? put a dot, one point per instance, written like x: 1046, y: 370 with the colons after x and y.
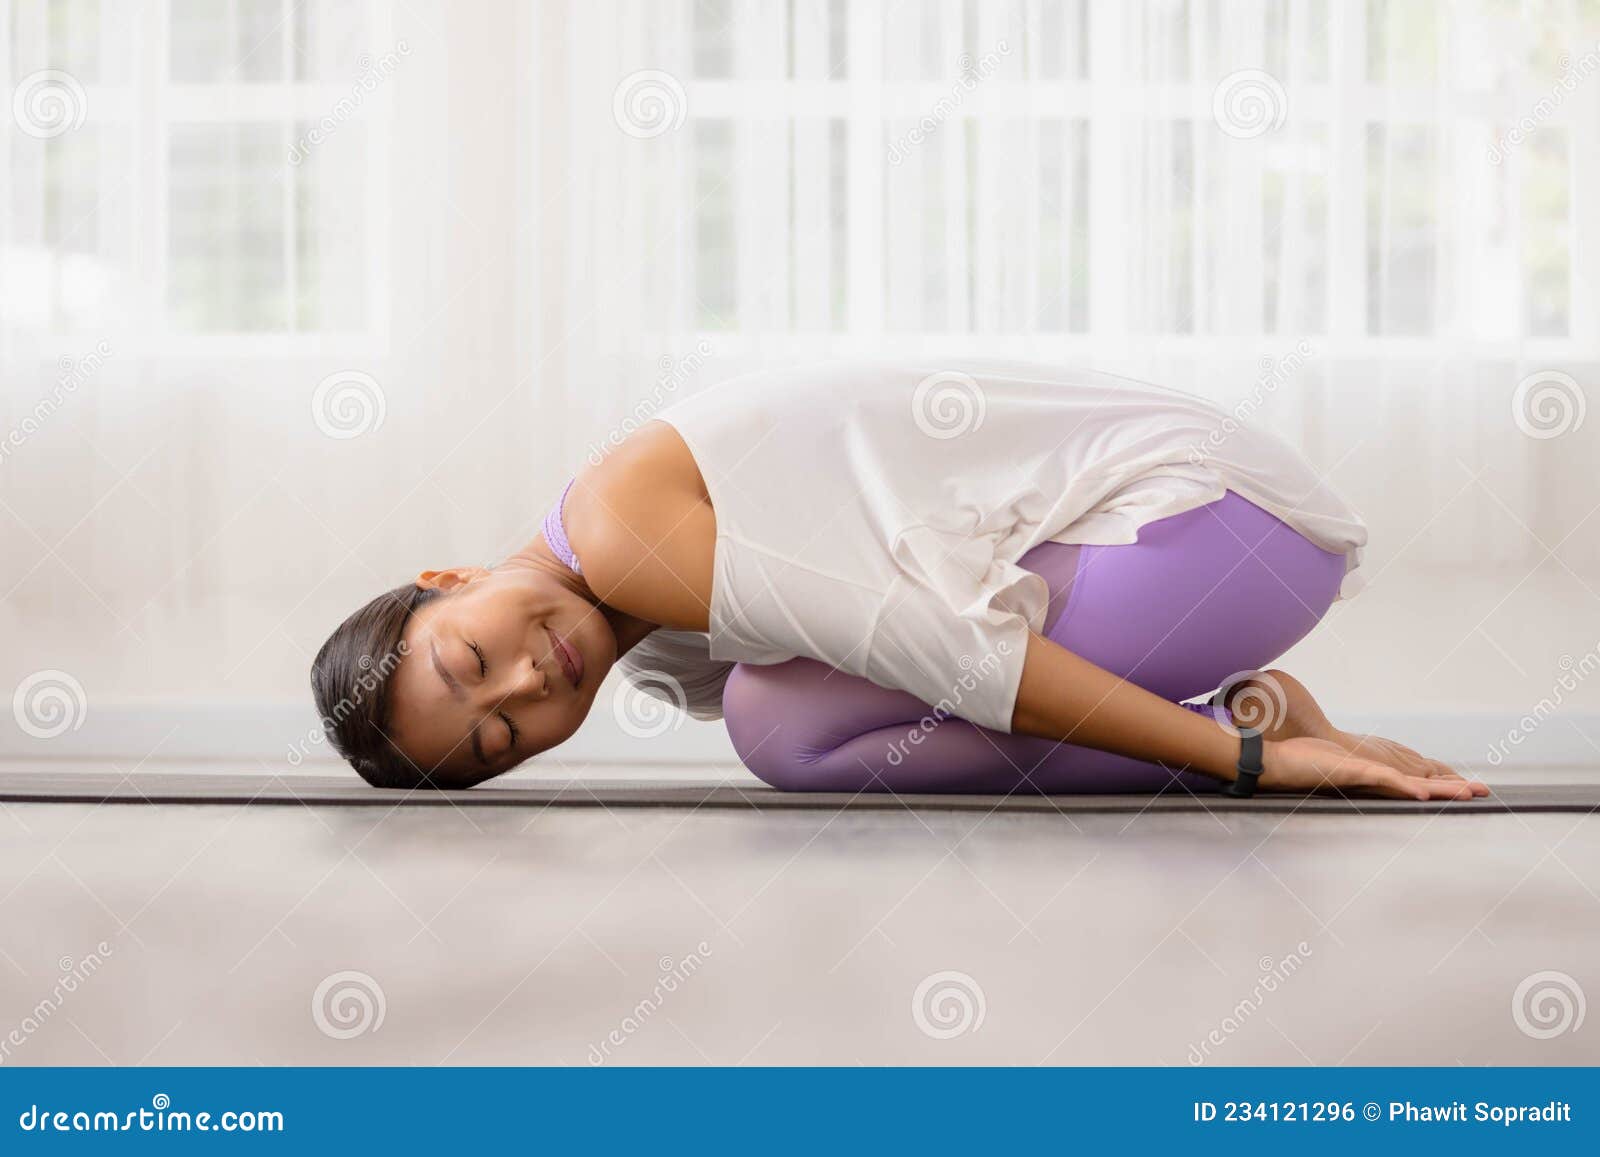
x: 1305, y: 765
x: 1396, y: 755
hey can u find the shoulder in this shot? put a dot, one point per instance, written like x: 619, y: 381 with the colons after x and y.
x: 643, y: 529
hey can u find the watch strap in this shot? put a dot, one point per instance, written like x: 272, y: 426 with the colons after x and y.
x: 1248, y: 769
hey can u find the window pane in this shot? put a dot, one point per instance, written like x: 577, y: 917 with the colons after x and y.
x: 1402, y: 42
x: 66, y: 35
x: 73, y: 182
x: 838, y: 40
x: 68, y: 202
x: 1546, y: 233
x: 1402, y: 211
x: 227, y: 252
x: 1061, y: 51
x: 1295, y: 238
x: 716, y: 259
x: 924, y: 241
x: 1063, y: 258
x: 839, y: 199
x: 713, y: 39
x: 1165, y: 211
x: 329, y: 40
x: 240, y: 41
x: 1296, y: 40
x: 1166, y: 36
x: 330, y: 233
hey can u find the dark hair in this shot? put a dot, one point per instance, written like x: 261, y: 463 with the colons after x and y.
x: 350, y: 682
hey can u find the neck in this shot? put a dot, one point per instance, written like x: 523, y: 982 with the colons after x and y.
x: 537, y: 556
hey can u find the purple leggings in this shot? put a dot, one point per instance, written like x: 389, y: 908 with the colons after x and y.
x: 1201, y: 596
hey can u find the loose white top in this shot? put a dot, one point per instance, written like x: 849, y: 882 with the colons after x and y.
x: 871, y: 515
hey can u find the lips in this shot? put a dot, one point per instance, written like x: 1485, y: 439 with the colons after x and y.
x: 569, y: 658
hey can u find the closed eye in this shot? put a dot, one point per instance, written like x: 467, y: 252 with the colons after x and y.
x: 483, y: 664
x: 511, y: 727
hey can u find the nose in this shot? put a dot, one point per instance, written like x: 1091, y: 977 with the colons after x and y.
x: 526, y: 684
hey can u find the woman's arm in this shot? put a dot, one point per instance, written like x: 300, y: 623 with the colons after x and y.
x: 643, y: 528
x: 1065, y: 697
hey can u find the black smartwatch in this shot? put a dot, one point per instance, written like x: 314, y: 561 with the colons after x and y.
x: 1249, y: 766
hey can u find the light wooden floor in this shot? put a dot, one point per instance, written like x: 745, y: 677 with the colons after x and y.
x: 509, y: 936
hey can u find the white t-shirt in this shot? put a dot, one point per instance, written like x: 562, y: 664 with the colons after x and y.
x: 870, y: 515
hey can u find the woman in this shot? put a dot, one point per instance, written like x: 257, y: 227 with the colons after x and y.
x: 979, y: 577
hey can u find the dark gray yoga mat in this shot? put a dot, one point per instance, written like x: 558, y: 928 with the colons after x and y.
x: 347, y: 791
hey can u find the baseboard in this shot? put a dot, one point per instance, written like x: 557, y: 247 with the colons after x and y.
x: 280, y: 735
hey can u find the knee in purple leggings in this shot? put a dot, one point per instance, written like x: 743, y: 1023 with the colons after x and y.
x: 1201, y: 596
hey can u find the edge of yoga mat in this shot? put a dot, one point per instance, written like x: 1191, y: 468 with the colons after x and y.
x: 347, y: 791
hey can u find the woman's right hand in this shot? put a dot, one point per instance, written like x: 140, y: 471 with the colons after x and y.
x: 1303, y: 765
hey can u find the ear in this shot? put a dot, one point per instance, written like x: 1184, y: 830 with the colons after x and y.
x: 449, y: 580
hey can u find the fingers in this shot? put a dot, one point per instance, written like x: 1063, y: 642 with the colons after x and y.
x: 1437, y: 787
x: 1436, y: 772
x: 1413, y: 764
x: 1397, y: 785
x: 1444, y: 772
x: 1306, y: 764
x: 1385, y: 781
x: 1440, y: 788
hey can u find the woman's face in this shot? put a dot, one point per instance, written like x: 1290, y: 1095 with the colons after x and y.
x: 501, y: 666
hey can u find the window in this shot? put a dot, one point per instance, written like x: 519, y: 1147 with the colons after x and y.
x: 226, y: 184
x: 1388, y: 170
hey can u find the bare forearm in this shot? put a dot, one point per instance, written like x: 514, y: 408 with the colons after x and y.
x: 1065, y: 697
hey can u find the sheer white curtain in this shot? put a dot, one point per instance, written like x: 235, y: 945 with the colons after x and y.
x: 1319, y: 206
x: 276, y: 252
x: 1373, y: 227
x: 234, y: 234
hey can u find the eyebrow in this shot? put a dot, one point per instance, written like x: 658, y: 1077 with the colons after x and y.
x: 455, y: 690
x: 438, y: 666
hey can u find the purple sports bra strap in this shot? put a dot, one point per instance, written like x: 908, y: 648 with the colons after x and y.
x: 555, y: 532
